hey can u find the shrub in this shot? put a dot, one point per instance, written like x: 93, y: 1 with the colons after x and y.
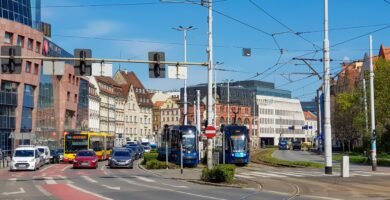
x: 149, y: 156
x: 219, y: 174
x: 156, y: 164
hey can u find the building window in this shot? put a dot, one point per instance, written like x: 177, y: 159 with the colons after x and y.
x: 30, y: 44
x: 28, y: 67
x: 68, y: 96
x: 8, y: 37
x: 38, y: 47
x: 75, y: 98
x: 20, y: 41
x: 69, y: 78
x: 36, y: 69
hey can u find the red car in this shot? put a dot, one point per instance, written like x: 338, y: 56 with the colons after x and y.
x: 85, y: 159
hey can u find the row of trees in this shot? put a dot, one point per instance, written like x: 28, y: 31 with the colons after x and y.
x: 349, y: 120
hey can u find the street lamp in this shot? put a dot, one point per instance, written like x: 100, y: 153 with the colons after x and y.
x: 185, y: 29
x: 215, y: 91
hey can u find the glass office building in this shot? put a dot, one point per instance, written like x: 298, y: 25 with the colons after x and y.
x: 26, y: 12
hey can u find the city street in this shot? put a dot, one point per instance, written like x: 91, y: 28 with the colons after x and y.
x: 60, y: 181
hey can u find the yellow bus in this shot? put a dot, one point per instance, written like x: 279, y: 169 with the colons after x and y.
x: 101, y: 143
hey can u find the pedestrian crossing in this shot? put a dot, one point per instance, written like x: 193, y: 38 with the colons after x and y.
x: 285, y: 174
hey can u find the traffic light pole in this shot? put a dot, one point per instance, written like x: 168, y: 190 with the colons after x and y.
x: 210, y: 81
x: 103, y: 60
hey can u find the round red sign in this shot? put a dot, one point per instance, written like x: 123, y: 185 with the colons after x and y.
x: 210, y: 132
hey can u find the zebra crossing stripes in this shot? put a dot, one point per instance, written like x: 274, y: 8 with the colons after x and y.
x: 284, y: 174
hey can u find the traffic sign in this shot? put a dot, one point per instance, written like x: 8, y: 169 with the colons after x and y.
x: 210, y: 132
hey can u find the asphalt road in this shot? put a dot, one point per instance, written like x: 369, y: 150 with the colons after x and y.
x: 60, y: 181
x: 291, y: 155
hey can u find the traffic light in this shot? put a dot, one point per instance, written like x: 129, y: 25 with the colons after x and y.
x: 246, y: 52
x: 157, y: 70
x: 166, y: 132
x: 83, y: 67
x: 11, y: 65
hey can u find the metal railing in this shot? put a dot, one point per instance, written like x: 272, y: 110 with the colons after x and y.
x: 5, y: 158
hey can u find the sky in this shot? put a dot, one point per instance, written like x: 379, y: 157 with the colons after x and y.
x: 276, y: 31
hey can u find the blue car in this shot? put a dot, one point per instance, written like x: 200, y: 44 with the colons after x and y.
x: 283, y: 145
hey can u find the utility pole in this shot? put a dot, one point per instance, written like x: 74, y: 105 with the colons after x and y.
x: 210, y: 81
x: 228, y: 101
x: 365, y: 103
x: 185, y: 29
x: 319, y: 121
x: 198, y: 116
x: 327, y: 125
x: 215, y: 97
x: 372, y: 102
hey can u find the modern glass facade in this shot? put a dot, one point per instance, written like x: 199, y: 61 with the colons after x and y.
x: 263, y: 88
x: 82, y: 107
x: 27, y: 12
x: 8, y: 104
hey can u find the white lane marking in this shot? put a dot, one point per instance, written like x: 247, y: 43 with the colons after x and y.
x: 289, y: 174
x: 88, y: 192
x: 373, y: 173
x: 266, y: 174
x: 43, y: 191
x: 49, y: 180
x: 171, y: 190
x: 103, y: 167
x: 365, y: 175
x: 176, y: 186
x: 47, y: 168
x: 144, y: 179
x: 65, y: 168
x: 62, y: 177
x: 21, y: 190
x: 243, y: 176
x: 89, y: 179
x: 12, y: 179
x: 110, y: 187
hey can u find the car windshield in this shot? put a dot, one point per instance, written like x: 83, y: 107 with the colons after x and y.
x: 24, y: 153
x: 146, y: 147
x: 86, y: 153
x: 42, y: 150
x: 189, y: 142
x: 122, y: 154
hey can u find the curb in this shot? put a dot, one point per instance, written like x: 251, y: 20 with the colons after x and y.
x: 215, y: 184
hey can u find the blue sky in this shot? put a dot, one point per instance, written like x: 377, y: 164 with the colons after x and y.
x: 137, y: 29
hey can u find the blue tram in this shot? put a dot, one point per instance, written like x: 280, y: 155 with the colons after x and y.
x: 174, y: 136
x: 237, y: 141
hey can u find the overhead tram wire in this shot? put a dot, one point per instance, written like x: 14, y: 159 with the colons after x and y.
x: 341, y: 28
x: 284, y: 25
x: 360, y: 36
x: 100, y: 5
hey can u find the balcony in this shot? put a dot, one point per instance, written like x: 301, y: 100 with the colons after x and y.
x: 7, y: 122
x: 9, y: 98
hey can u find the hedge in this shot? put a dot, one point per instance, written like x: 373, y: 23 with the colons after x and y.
x: 156, y: 164
x: 149, y: 156
x: 219, y: 174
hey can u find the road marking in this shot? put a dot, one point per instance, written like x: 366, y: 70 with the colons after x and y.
x: 21, y: 190
x: 103, y: 167
x: 289, y: 174
x: 171, y: 190
x: 89, y: 179
x: 88, y: 192
x: 110, y: 187
x: 49, y: 180
x: 373, y: 173
x: 365, y: 175
x: 12, y: 179
x: 62, y: 177
x: 243, y: 176
x: 47, y: 168
x: 266, y: 174
x: 176, y: 186
x: 144, y: 179
x: 43, y: 191
x: 67, y: 167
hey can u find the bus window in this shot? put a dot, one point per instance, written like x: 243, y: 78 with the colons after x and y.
x: 74, y: 143
x: 96, y: 143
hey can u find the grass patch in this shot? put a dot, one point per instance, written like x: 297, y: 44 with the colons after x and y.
x: 265, y: 156
x: 149, y: 156
x: 382, y: 159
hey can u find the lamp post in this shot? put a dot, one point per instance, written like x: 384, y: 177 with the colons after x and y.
x: 185, y: 29
x: 228, y: 100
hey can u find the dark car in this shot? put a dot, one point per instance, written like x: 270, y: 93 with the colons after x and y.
x: 297, y: 145
x: 283, y: 145
x: 135, y: 150
x: 55, y: 156
x: 119, y: 149
x: 121, y: 158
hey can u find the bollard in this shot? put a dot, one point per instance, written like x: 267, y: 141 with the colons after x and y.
x: 345, y: 167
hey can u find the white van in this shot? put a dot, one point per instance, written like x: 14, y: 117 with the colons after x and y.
x: 25, y: 158
x: 45, y: 151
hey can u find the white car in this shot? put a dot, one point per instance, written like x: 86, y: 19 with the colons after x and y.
x: 26, y: 158
x: 45, y: 151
